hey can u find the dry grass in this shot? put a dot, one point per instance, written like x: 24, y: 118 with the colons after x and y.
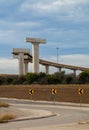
x: 4, y: 104
x: 6, y: 117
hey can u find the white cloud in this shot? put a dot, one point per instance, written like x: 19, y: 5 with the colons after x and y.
x: 11, y: 66
x: 81, y: 60
x: 8, y: 66
x: 52, y: 5
x: 76, y: 59
x: 72, y: 10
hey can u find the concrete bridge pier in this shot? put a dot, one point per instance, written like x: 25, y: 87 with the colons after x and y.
x: 74, y: 73
x: 35, y: 52
x: 47, y: 69
x: 60, y: 70
x: 21, y: 63
x: 22, y: 56
x: 26, y: 66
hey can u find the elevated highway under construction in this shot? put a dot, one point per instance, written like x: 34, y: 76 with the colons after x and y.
x: 24, y: 57
x: 27, y: 57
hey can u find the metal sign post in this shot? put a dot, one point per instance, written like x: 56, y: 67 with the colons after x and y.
x: 53, y: 92
x: 80, y: 92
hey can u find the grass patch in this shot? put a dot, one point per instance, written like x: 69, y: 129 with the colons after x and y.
x: 6, y: 117
x: 4, y: 104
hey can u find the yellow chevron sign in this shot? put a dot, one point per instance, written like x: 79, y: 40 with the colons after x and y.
x: 54, y: 91
x: 31, y: 91
x: 80, y: 91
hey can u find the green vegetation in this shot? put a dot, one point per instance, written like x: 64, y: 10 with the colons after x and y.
x: 42, y: 78
x: 83, y: 77
x: 31, y: 78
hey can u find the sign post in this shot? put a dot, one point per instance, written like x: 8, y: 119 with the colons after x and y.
x: 53, y: 92
x: 80, y: 92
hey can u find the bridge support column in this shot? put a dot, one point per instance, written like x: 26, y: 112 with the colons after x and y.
x: 47, y: 69
x: 22, y: 56
x: 26, y: 66
x: 21, y: 63
x: 60, y: 70
x: 35, y: 50
x: 74, y: 73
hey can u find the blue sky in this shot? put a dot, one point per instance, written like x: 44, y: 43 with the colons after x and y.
x: 63, y: 23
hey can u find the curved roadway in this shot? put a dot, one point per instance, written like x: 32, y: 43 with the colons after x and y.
x: 65, y: 115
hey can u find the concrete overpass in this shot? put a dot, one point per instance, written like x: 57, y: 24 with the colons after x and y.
x: 27, y: 57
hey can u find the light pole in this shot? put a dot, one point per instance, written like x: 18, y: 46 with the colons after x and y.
x: 57, y: 55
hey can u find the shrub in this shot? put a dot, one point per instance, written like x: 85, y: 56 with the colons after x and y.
x: 52, y: 79
x: 2, y: 80
x: 83, y: 77
x: 7, y: 116
x: 69, y: 79
x: 31, y: 78
x: 4, y: 104
x: 10, y: 80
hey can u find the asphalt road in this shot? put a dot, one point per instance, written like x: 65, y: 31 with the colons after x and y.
x: 65, y: 115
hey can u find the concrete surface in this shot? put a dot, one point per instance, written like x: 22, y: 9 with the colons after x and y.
x: 26, y: 114
x: 36, y: 114
x: 58, y: 127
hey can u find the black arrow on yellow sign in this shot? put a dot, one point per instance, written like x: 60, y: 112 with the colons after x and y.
x: 80, y: 91
x: 31, y: 91
x: 54, y: 91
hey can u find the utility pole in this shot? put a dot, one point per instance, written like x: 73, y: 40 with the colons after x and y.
x: 57, y: 55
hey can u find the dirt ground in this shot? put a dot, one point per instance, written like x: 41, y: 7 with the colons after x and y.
x: 64, y: 93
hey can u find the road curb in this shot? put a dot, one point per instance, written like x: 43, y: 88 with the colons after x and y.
x: 43, y: 102
x: 32, y: 118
